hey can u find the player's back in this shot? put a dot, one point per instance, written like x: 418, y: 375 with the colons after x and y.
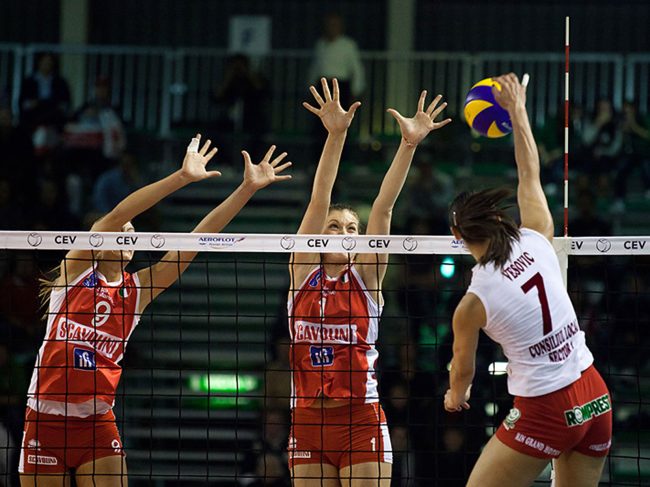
x: 530, y: 314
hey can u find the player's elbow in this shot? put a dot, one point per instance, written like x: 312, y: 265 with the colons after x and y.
x: 528, y: 172
x: 382, y: 208
x: 113, y: 221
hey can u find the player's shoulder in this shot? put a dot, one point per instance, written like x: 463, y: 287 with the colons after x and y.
x: 533, y: 235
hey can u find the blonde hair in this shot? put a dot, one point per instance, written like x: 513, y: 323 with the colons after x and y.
x: 47, y: 282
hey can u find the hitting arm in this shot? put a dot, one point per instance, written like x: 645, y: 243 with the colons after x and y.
x: 533, y: 206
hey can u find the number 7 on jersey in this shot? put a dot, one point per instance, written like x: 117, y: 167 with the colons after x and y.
x: 538, y: 282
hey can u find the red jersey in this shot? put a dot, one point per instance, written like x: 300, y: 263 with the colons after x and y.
x: 88, y: 326
x: 334, y: 323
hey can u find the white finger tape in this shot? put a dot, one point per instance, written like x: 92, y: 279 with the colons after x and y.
x: 525, y: 80
x: 194, y: 145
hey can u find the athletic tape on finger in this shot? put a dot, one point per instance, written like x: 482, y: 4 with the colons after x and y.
x: 193, y: 146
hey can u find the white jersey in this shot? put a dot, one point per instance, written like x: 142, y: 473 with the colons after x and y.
x: 530, y: 314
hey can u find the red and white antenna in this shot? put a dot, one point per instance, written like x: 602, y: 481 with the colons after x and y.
x: 566, y: 127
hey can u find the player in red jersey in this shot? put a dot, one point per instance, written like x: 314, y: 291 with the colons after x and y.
x: 339, y: 434
x: 94, y: 306
x: 562, y: 408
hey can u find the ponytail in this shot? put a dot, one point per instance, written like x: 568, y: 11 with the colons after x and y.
x: 480, y: 216
x: 47, y: 282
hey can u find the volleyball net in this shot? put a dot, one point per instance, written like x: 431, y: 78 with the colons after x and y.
x: 204, y: 396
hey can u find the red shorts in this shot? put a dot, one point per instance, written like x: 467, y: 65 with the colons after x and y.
x: 577, y: 417
x: 341, y: 436
x: 54, y: 444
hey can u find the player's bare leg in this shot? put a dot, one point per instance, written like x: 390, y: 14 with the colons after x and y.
x: 500, y: 465
x: 44, y: 480
x: 573, y: 469
x: 103, y: 472
x: 370, y: 474
x: 315, y: 475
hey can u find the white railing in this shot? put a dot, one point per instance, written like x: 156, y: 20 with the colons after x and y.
x: 157, y: 87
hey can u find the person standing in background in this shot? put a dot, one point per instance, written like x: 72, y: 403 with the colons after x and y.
x: 44, y: 103
x: 337, y: 56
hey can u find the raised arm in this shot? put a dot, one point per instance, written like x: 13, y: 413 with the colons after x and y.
x: 193, y: 169
x: 336, y: 121
x: 533, y: 206
x: 414, y: 130
x: 155, y: 279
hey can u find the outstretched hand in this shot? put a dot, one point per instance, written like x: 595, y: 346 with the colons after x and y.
x: 266, y: 172
x: 416, y: 128
x: 196, y: 160
x: 334, y: 117
x: 512, y: 93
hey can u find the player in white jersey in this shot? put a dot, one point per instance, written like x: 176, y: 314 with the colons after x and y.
x: 562, y: 408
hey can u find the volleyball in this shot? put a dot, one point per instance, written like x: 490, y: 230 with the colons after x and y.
x: 483, y: 113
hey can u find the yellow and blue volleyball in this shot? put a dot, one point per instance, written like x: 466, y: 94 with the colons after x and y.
x: 483, y: 113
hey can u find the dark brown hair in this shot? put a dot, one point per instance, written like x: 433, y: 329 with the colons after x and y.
x: 480, y: 216
x: 347, y: 207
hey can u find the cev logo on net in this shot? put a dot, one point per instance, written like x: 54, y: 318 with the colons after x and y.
x: 410, y: 244
x: 96, y: 240
x: 287, y: 243
x: 157, y: 241
x: 348, y: 243
x: 34, y: 239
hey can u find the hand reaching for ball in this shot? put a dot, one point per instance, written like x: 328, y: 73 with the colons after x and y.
x: 512, y: 94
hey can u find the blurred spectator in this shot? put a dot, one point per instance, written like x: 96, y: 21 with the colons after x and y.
x: 626, y: 341
x: 585, y: 272
x: 550, y: 139
x: 11, y: 215
x: 19, y: 301
x: 93, y: 142
x: 97, y: 125
x: 17, y: 152
x: 13, y: 389
x: 635, y: 154
x: 115, y: 184
x: 267, y: 460
x: 7, y: 446
x: 337, y: 56
x: 429, y: 192
x: 426, y: 297
x: 50, y: 211
x: 243, y: 93
x: 270, y: 472
x: 603, y: 140
x: 44, y: 102
x: 277, y: 377
x: 398, y: 415
x: 455, y: 456
x: 410, y: 400
x: 588, y: 223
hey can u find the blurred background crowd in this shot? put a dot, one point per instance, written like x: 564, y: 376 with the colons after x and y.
x: 74, y: 143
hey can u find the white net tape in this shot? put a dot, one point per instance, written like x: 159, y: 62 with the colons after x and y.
x: 277, y: 243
